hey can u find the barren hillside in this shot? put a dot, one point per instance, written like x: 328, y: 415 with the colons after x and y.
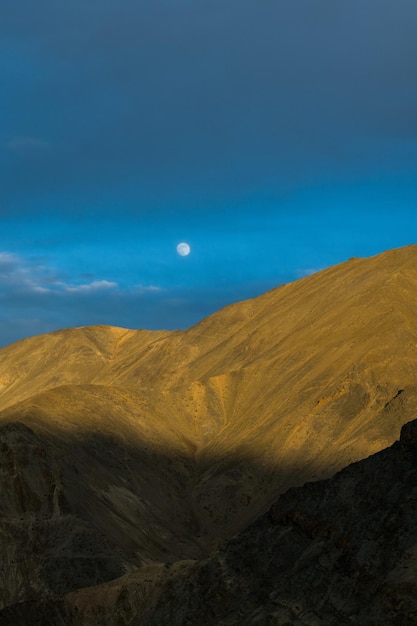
x: 123, y: 448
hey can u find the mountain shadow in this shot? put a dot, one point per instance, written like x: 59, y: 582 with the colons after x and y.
x: 337, y: 551
x: 79, y: 510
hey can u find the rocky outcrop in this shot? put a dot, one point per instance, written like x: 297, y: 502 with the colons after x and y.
x: 339, y: 551
x: 48, y: 547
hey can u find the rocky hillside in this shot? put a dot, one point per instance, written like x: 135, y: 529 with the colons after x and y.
x: 123, y: 450
x: 338, y: 551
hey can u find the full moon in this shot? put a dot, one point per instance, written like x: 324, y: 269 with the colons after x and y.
x: 183, y: 249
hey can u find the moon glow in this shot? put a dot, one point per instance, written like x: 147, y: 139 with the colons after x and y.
x: 183, y: 249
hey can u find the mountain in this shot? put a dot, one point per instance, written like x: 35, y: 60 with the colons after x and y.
x: 123, y: 450
x: 333, y: 552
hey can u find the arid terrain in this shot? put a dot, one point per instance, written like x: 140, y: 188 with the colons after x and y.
x: 254, y: 469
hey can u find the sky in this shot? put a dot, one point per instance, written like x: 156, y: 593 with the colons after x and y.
x: 275, y: 137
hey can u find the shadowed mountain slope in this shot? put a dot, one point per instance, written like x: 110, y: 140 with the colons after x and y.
x: 156, y: 446
x: 338, y: 551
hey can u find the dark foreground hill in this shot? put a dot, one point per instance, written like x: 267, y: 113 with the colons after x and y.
x: 333, y: 552
x: 131, y: 456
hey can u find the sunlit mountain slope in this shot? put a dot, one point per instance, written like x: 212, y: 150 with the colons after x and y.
x: 164, y: 443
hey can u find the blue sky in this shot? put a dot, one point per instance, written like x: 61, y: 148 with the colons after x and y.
x: 276, y: 137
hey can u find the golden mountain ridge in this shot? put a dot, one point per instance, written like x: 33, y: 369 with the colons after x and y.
x: 287, y: 355
x: 167, y: 442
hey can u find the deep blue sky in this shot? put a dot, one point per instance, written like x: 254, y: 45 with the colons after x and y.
x: 276, y: 137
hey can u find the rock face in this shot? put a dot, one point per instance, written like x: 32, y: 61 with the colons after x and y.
x: 47, y: 547
x: 77, y: 512
x: 337, y: 551
x: 129, y: 460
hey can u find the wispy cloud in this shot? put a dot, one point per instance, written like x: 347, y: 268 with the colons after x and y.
x: 141, y: 289
x: 17, y: 275
x: 95, y: 285
x: 6, y: 258
x: 36, y: 298
x: 21, y: 275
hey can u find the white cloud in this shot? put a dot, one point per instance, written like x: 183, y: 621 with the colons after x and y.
x: 36, y: 298
x: 6, y: 258
x: 19, y: 275
x: 15, y: 273
x: 140, y: 289
x: 95, y: 285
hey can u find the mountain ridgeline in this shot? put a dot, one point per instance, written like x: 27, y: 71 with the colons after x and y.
x: 139, y: 469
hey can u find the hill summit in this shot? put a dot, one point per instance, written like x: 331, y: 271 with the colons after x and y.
x: 123, y: 450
